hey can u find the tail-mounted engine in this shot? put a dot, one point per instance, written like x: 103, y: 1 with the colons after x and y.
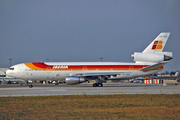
x: 72, y: 80
x: 151, y: 57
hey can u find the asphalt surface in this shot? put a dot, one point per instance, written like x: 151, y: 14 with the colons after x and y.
x: 87, y: 89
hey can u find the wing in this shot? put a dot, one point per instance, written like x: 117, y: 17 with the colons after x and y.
x: 154, y: 66
x: 102, y: 75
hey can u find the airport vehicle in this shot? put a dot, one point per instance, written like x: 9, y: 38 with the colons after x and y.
x: 150, y: 61
x: 10, y: 80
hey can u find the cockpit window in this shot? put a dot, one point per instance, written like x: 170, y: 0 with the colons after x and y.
x: 11, y: 68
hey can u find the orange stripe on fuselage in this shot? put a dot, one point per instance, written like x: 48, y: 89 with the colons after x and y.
x: 31, y: 66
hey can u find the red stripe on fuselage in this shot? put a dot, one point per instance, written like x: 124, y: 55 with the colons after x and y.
x: 105, y: 66
x: 42, y: 65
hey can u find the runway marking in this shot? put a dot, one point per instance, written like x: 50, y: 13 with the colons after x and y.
x: 54, y: 90
x: 20, y: 88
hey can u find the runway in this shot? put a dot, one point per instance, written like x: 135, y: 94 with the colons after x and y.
x: 87, y: 89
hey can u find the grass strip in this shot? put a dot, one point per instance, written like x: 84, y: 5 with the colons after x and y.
x: 146, y: 106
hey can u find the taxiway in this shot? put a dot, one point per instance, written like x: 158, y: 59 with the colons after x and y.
x: 87, y: 89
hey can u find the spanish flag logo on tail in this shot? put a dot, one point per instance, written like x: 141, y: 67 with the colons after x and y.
x: 157, y: 45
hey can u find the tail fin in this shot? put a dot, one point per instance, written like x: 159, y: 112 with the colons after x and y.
x: 158, y: 44
x: 177, y: 74
x: 154, y: 52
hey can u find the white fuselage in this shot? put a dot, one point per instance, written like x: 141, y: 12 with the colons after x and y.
x: 60, y: 70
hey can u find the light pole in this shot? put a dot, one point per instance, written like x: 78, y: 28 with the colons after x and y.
x: 47, y: 60
x: 10, y: 62
x: 101, y: 59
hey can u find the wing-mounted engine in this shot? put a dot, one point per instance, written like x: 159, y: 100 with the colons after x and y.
x: 151, y: 57
x: 72, y: 80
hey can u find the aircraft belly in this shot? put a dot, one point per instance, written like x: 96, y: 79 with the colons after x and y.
x: 46, y: 75
x: 61, y: 75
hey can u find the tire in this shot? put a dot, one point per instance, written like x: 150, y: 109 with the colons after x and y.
x: 94, y: 85
x: 100, y: 85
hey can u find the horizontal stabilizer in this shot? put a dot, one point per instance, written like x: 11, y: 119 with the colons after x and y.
x: 154, y: 66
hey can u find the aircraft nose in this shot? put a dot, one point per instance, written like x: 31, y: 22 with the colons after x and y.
x: 8, y: 73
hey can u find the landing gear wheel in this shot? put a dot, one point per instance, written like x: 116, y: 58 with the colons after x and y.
x: 94, y: 85
x: 30, y: 86
x: 100, y: 85
x: 97, y: 85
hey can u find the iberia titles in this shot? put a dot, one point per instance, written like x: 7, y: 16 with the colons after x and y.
x: 60, y: 67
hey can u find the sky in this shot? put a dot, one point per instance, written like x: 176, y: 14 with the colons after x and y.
x: 86, y: 30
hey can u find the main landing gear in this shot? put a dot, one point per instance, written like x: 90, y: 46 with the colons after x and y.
x: 97, y: 85
x: 98, y: 82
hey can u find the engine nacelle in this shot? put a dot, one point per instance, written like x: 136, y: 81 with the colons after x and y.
x: 72, y: 80
x: 149, y: 57
x: 169, y: 54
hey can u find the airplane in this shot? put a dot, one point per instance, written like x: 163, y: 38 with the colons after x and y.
x: 176, y: 76
x: 166, y: 77
x: 150, y: 61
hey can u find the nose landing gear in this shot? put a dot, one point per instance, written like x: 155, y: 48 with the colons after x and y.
x: 30, y: 85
